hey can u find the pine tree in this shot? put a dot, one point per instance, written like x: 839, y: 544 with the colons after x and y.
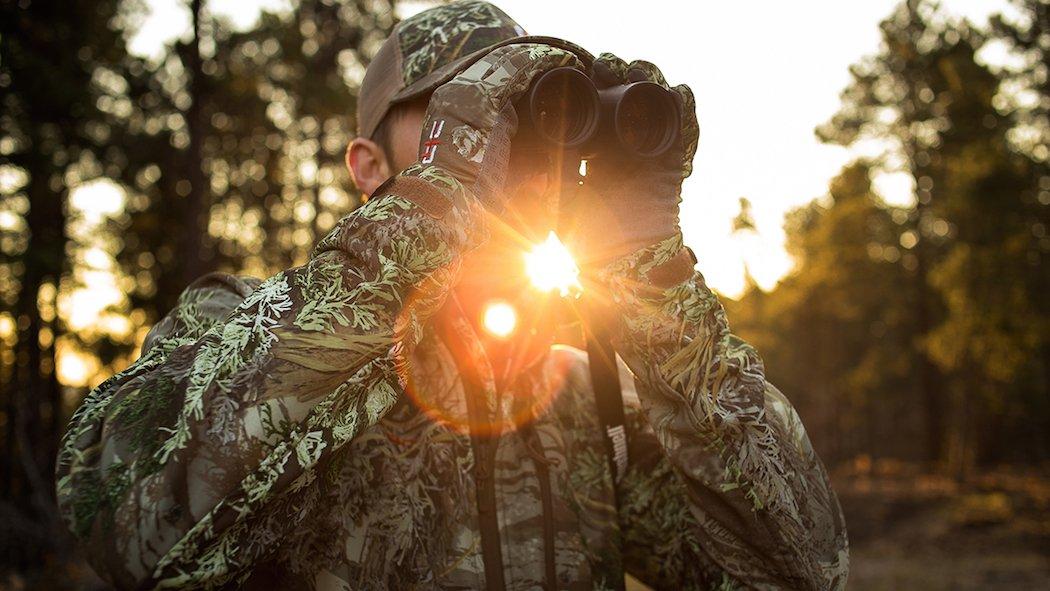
x: 57, y: 63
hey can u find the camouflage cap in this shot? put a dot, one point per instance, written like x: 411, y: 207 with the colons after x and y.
x: 427, y: 49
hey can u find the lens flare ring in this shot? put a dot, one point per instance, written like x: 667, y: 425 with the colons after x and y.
x: 499, y: 319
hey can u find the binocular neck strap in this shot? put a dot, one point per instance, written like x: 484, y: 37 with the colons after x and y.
x: 605, y: 381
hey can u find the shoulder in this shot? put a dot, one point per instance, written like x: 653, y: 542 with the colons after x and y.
x: 219, y: 288
x: 204, y: 303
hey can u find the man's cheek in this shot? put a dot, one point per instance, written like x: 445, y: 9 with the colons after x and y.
x: 406, y: 142
x: 406, y: 155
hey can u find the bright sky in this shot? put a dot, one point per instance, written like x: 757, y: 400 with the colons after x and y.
x: 764, y: 75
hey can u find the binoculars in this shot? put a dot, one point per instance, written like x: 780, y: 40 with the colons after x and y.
x: 564, y: 110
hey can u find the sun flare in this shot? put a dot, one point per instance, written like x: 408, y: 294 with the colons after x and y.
x: 550, y: 266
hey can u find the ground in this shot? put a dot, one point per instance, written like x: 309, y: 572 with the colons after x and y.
x: 910, y: 530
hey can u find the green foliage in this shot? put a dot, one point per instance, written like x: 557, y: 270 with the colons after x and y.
x: 744, y: 220
x: 833, y: 332
x: 927, y: 322
x: 276, y: 113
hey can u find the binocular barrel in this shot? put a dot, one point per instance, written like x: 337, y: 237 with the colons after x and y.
x: 563, y: 109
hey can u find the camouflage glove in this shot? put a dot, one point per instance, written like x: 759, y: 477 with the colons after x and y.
x: 471, y: 118
x: 633, y: 204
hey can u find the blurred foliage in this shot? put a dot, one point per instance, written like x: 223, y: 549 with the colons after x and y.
x: 922, y: 331
x: 53, y: 133
x: 123, y: 178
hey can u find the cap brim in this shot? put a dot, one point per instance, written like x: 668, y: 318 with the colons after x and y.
x: 445, y: 73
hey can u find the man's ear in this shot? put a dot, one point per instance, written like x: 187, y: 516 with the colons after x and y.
x: 368, y: 164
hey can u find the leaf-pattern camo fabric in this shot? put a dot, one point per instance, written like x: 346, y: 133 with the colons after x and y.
x: 265, y: 431
x: 440, y: 35
x: 474, y: 111
x: 282, y: 434
x: 746, y: 497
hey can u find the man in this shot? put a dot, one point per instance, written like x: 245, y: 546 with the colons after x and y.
x: 343, y: 425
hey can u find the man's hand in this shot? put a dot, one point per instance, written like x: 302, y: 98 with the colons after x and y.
x: 471, y: 119
x: 632, y: 204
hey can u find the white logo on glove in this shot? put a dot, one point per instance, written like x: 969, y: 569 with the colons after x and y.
x: 430, y: 147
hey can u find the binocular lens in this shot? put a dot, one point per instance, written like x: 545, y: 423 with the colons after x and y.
x: 646, y: 119
x: 564, y: 107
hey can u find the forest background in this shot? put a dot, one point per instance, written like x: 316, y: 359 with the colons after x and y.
x: 911, y: 336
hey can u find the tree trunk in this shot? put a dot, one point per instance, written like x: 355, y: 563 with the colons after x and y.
x: 931, y: 380
x: 36, y: 396
x: 194, y: 223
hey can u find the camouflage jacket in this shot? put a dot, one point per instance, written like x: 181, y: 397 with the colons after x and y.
x: 301, y: 432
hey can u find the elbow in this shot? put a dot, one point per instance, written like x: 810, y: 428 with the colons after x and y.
x: 112, y: 527
x: 110, y: 550
x: 834, y: 560
x: 830, y: 549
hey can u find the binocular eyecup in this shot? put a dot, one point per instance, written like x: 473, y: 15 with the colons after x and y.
x: 563, y: 109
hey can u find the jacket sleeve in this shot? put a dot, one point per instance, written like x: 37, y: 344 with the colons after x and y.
x: 724, y: 489
x: 190, y: 466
